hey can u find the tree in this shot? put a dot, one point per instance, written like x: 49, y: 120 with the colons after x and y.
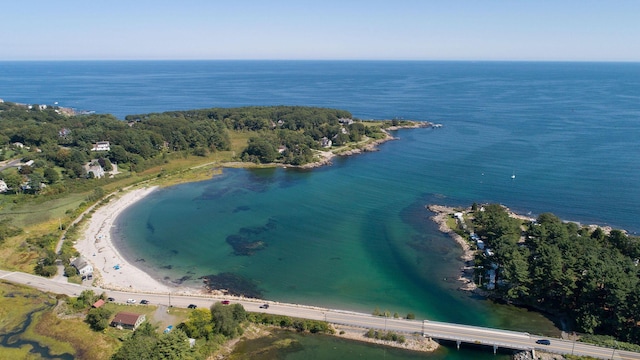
x: 141, y: 345
x: 25, y: 170
x: 174, y: 345
x: 98, y: 318
x: 105, y: 163
x: 227, y: 319
x: 70, y: 271
x: 51, y: 175
x: 260, y: 149
x: 13, y: 181
x: 35, y: 182
x: 198, y: 325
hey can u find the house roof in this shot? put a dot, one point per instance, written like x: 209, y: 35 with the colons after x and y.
x: 98, y: 303
x: 79, y: 263
x: 126, y: 318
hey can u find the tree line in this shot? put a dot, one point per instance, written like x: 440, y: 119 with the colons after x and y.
x: 60, y: 145
x: 564, y: 269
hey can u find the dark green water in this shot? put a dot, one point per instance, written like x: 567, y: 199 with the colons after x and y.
x: 294, y: 346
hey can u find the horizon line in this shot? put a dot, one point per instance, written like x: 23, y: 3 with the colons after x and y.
x: 337, y: 60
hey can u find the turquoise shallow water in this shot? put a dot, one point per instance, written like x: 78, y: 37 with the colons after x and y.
x: 356, y: 235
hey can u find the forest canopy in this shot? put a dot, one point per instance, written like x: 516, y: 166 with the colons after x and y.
x: 562, y: 268
x: 59, y: 145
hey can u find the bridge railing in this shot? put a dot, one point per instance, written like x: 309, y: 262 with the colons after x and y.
x: 471, y: 340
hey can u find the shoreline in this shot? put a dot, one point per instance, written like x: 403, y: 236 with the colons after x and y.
x: 327, y: 156
x: 441, y: 213
x: 97, y: 247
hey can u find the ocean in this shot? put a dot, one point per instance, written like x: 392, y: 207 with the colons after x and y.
x: 534, y: 136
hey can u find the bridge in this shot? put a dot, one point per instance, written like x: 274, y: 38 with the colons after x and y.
x: 460, y: 334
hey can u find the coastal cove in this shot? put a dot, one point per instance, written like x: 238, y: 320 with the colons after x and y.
x: 355, y: 235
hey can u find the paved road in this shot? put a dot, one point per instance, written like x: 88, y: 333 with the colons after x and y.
x: 437, y: 330
x: 10, y: 163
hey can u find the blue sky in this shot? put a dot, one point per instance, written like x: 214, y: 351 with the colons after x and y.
x: 570, y: 30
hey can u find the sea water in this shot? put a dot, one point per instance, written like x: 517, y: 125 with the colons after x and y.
x: 537, y: 137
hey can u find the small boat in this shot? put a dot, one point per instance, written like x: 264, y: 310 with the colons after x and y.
x: 513, y: 176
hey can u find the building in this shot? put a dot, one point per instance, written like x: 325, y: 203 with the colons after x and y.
x: 98, y: 303
x: 82, y: 266
x: 127, y: 320
x: 325, y: 142
x: 94, y: 168
x: 345, y: 121
x: 101, y: 146
x: 3, y: 186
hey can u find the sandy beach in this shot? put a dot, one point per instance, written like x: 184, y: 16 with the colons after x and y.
x: 97, y: 247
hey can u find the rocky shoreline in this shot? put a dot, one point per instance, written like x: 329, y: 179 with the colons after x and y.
x: 442, y: 213
x: 327, y: 156
x: 413, y: 342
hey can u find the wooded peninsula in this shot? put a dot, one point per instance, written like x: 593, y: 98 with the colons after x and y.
x: 586, y: 276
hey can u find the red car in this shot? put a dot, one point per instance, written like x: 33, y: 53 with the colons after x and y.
x: 225, y: 302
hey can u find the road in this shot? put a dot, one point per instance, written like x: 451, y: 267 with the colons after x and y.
x: 434, y: 329
x: 10, y: 163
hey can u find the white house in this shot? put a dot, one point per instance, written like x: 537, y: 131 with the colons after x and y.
x: 82, y: 266
x: 101, y: 146
x: 95, y: 168
x: 325, y: 142
x: 3, y: 186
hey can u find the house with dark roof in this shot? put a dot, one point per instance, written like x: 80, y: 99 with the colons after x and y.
x: 127, y: 320
x: 82, y: 265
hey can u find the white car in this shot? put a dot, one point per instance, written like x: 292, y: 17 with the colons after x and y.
x: 131, y: 301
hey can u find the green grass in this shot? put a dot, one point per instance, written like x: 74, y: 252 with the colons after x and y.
x: 28, y: 213
x: 63, y: 334
x: 16, y: 302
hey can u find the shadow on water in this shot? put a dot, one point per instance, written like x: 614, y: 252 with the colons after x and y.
x: 282, y: 344
x: 12, y: 340
x: 233, y: 283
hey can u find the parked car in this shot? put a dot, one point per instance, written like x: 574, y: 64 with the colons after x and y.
x: 144, y: 302
x: 110, y: 299
x: 192, y: 306
x: 168, y: 329
x: 225, y: 302
x: 543, y: 342
x: 131, y: 301
x: 264, y: 306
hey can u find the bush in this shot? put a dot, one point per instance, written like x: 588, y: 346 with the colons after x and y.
x: 98, y: 318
